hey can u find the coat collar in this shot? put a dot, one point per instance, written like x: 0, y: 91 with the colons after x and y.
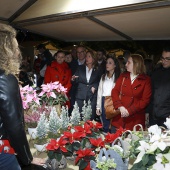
x: 140, y: 76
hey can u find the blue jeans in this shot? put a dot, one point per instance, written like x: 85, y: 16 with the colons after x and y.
x: 8, y: 162
x: 106, y: 122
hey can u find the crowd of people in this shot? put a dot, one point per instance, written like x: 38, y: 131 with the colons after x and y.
x: 135, y: 86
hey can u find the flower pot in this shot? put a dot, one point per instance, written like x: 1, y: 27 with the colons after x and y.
x: 32, y: 132
x: 40, y: 148
x: 54, y: 164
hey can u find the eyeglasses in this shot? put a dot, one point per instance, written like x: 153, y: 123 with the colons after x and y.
x: 80, y: 52
x: 165, y: 59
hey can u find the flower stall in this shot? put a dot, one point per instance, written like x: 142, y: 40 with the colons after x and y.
x: 72, y: 143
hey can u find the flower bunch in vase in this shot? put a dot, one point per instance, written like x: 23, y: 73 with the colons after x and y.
x: 53, y: 94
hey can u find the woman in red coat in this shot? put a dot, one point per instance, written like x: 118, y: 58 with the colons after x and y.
x: 135, y: 88
x: 59, y: 71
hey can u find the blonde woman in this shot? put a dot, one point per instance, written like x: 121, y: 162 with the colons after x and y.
x: 12, y: 132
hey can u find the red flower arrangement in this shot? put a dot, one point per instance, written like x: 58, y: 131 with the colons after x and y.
x: 82, y: 142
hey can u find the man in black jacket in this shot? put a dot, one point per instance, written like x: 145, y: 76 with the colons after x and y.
x: 159, y: 108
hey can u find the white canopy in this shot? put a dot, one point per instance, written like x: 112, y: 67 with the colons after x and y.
x: 90, y: 20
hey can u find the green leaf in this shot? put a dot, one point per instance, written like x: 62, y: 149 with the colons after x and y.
x: 58, y: 156
x: 82, y: 165
x: 145, y: 159
x: 69, y: 148
x: 83, y: 142
x: 138, y: 166
x: 152, y: 160
x: 51, y: 154
x: 76, y: 146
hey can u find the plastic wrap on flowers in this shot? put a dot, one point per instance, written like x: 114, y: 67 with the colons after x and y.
x: 110, y: 159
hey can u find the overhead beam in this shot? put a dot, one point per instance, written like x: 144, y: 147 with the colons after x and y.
x: 109, y: 27
x: 21, y: 10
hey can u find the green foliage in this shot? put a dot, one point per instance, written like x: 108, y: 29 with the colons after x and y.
x: 54, y: 121
x: 42, y: 126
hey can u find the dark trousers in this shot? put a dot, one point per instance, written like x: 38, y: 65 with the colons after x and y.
x: 154, y: 120
x: 8, y: 162
x: 105, y: 122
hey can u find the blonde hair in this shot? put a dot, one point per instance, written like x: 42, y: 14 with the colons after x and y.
x: 138, y: 64
x: 9, y: 61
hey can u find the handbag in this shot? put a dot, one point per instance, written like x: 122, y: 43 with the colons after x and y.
x: 110, y: 112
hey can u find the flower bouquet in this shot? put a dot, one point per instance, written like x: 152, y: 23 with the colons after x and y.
x: 153, y: 152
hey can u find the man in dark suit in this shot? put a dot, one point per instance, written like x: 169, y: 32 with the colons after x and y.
x: 81, y: 54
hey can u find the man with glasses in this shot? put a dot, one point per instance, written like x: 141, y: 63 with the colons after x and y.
x: 159, y: 108
x: 81, y: 54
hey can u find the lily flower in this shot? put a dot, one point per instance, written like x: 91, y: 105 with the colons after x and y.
x: 155, y: 130
x: 167, y: 123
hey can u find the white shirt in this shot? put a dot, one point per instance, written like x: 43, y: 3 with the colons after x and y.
x: 88, y: 73
x: 81, y: 63
x: 133, y: 77
x: 108, y: 84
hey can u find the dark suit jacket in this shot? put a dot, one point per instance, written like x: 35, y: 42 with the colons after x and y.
x: 84, y: 87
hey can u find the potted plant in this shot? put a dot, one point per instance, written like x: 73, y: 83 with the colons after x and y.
x: 41, y: 133
x: 53, y: 94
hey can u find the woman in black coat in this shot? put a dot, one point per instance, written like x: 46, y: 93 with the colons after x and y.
x: 87, y: 77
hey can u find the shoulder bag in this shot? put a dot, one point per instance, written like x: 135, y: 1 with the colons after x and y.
x: 108, y: 105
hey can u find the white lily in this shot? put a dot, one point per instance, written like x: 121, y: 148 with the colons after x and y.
x: 155, y: 130
x: 167, y: 123
x: 157, y: 137
x: 144, y: 147
x: 139, y: 157
x: 159, y: 157
x: 158, y: 144
x: 158, y: 166
x: 167, y: 156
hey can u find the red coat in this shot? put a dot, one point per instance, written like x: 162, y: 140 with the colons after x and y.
x: 135, y: 97
x: 58, y: 72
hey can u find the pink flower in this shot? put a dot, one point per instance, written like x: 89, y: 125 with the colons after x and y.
x: 28, y: 96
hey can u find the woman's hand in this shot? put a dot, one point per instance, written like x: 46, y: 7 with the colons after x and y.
x: 124, y: 112
x: 93, y: 90
x: 98, y: 112
x: 74, y: 77
x: 38, y: 161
